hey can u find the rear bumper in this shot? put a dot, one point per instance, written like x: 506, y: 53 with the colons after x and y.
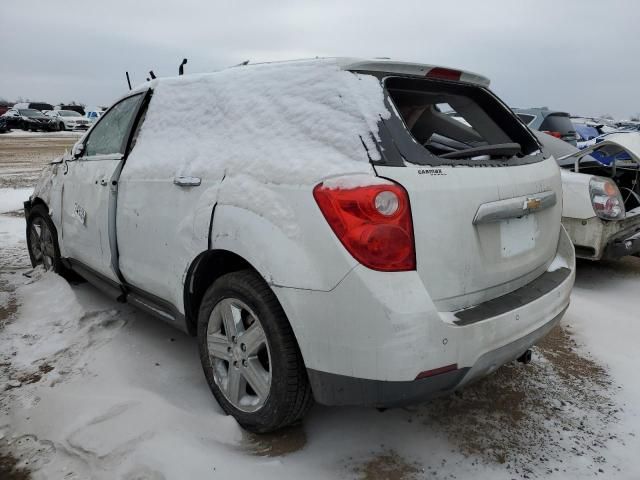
x: 332, y: 389
x: 623, y: 244
x: 597, y: 239
x: 367, y: 341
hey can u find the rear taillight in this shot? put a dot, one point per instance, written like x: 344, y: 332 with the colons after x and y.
x: 553, y: 134
x: 606, y: 199
x: 373, y: 222
x: 444, y: 74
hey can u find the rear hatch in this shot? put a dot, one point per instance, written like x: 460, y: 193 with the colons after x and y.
x: 486, y: 205
x: 559, y: 125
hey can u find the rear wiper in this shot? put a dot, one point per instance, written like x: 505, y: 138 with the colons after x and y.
x: 499, y: 149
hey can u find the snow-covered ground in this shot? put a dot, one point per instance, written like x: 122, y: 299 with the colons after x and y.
x: 11, y: 199
x: 107, y: 392
x: 91, y: 388
x: 24, y: 133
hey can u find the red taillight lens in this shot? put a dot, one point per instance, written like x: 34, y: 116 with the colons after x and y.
x: 553, y: 134
x: 373, y: 222
x: 444, y: 74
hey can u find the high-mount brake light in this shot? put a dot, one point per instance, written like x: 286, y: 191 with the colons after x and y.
x: 444, y: 74
x: 373, y: 222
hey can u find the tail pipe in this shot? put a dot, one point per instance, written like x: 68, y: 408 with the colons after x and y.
x: 525, y: 358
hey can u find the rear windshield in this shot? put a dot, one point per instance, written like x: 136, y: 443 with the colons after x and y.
x: 40, y: 106
x: 29, y: 112
x: 450, y: 119
x: 558, y: 122
x: 525, y: 117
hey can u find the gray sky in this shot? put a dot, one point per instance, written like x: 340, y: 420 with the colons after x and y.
x: 581, y: 56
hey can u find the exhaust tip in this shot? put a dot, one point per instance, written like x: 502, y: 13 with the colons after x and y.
x: 525, y: 358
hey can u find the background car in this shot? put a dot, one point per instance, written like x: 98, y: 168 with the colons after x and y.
x: 68, y: 120
x: 4, y: 125
x: 585, y: 133
x: 29, y: 119
x: 34, y: 105
x: 73, y: 107
x: 93, y: 115
x: 601, y: 195
x: 555, y: 123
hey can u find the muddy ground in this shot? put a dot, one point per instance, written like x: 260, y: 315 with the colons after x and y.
x: 23, y: 156
x: 528, y: 419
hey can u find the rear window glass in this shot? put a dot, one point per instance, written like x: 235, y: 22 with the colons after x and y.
x: 526, y: 118
x: 449, y: 119
x: 558, y: 122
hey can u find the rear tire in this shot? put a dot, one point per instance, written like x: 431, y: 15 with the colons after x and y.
x: 42, y: 241
x: 258, y: 378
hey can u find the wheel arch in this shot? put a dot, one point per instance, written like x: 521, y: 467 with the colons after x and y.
x: 205, y: 269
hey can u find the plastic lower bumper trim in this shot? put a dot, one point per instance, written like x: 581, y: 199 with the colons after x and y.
x: 342, y: 390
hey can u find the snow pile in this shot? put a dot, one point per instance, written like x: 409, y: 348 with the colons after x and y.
x: 558, y: 263
x: 12, y: 231
x: 348, y: 182
x: 108, y: 392
x: 292, y: 122
x: 50, y: 311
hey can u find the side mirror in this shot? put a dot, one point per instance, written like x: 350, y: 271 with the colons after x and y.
x: 77, y: 150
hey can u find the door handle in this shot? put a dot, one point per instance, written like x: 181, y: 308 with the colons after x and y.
x: 187, y: 181
x: 103, y: 182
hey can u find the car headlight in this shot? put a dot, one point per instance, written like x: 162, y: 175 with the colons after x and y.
x: 606, y: 198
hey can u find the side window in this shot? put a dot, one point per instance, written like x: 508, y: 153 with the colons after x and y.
x: 108, y: 136
x: 136, y: 131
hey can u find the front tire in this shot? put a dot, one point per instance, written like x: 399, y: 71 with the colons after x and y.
x: 42, y: 240
x: 249, y: 354
x: 61, y: 126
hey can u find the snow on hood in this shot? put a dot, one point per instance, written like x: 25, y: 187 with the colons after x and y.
x: 292, y: 122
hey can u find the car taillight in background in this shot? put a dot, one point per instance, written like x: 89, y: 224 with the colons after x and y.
x: 553, y: 134
x: 373, y: 222
x: 606, y: 199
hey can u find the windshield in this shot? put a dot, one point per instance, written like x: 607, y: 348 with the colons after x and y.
x: 68, y: 113
x: 29, y: 112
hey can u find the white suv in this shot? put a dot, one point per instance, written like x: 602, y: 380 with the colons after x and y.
x: 68, y: 120
x: 326, y: 228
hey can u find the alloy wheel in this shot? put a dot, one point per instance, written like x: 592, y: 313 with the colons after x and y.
x: 239, y: 354
x: 41, y: 242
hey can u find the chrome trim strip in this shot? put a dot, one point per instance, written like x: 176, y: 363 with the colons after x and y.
x: 514, y: 207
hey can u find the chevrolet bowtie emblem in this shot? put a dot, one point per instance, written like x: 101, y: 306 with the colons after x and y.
x: 532, y: 204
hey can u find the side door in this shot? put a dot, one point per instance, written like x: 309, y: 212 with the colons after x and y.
x: 164, y: 213
x: 90, y: 190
